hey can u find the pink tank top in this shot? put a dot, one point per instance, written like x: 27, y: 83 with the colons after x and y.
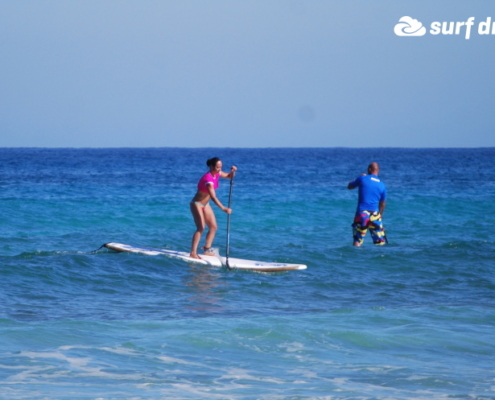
x: 207, y: 179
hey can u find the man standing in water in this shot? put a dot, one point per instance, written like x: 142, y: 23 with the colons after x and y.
x: 371, y: 204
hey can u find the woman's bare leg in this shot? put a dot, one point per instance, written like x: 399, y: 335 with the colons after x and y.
x: 199, y: 220
x: 211, y: 222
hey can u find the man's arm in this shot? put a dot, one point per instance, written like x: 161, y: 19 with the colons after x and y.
x: 355, y: 183
x: 381, y: 206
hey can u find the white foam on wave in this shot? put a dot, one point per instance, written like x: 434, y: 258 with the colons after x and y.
x: 81, y: 366
x: 293, y: 346
x: 74, y: 362
x: 172, y: 360
x: 237, y: 374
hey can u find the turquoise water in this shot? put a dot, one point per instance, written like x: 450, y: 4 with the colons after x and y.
x: 411, y: 320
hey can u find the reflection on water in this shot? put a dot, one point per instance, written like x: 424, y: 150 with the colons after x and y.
x: 203, y: 289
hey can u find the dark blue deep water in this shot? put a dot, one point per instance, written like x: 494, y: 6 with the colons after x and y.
x: 411, y: 320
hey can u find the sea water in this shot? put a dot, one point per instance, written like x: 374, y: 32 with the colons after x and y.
x: 411, y: 320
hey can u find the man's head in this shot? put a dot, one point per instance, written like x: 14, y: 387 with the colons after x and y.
x: 373, y: 168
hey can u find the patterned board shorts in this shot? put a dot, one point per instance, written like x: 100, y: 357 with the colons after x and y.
x: 365, y: 220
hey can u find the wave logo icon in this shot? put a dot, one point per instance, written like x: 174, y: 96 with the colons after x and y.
x: 408, y: 26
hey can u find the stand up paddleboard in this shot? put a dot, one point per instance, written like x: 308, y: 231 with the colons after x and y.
x: 237, y: 263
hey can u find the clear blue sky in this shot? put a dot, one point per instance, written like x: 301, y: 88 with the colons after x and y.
x: 211, y: 73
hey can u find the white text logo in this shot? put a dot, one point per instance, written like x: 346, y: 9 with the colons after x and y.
x: 408, y: 26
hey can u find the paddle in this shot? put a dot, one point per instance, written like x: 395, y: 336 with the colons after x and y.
x: 228, y: 223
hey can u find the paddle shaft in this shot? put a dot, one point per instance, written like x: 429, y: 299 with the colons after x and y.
x: 227, y: 251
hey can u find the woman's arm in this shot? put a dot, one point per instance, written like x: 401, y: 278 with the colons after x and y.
x: 215, y: 200
x: 231, y: 174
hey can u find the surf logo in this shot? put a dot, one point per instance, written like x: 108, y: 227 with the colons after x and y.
x: 408, y: 26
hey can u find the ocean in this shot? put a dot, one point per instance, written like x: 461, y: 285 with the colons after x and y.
x: 414, y: 319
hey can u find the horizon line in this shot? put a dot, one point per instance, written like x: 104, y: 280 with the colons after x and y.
x: 237, y: 148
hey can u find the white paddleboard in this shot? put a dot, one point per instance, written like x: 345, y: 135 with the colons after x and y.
x: 208, y: 260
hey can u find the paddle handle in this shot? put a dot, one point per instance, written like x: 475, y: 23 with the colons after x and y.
x: 227, y: 251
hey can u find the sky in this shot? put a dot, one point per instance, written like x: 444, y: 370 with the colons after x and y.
x: 232, y: 73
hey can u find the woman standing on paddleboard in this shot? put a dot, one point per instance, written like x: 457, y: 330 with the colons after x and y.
x: 201, y: 209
